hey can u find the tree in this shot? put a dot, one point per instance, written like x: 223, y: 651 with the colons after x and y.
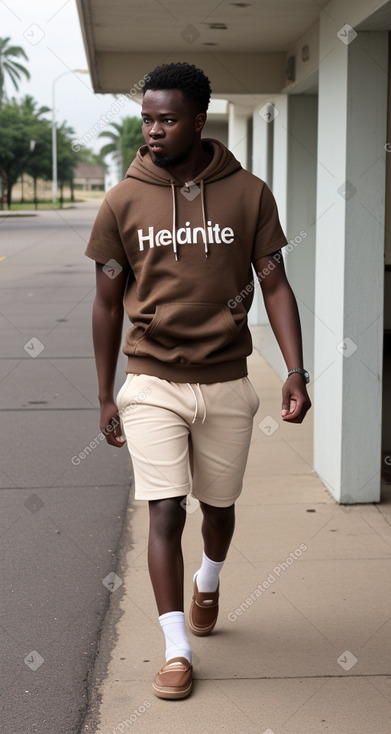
x: 10, y: 67
x: 125, y: 141
x: 39, y: 161
x: 14, y: 146
x: 25, y: 142
x: 26, y: 146
x: 28, y: 106
x: 66, y: 158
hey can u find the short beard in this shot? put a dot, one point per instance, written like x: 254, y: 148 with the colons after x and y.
x: 173, y: 160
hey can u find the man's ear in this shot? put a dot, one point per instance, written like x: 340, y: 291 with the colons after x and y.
x: 200, y: 121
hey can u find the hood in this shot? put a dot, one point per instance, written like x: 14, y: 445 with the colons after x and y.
x: 223, y: 164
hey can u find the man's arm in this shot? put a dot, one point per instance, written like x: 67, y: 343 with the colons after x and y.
x: 281, y: 307
x: 107, y: 318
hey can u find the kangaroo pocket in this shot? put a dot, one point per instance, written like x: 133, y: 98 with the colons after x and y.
x: 197, y: 333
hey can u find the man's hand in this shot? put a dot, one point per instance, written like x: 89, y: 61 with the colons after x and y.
x: 110, y: 424
x: 107, y: 317
x: 295, y: 400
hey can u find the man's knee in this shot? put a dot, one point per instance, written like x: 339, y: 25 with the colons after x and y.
x: 219, y: 516
x: 167, y: 516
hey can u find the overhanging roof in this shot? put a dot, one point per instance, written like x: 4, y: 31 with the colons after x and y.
x: 241, y: 46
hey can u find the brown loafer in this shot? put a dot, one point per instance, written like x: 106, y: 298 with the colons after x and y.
x: 204, y: 609
x: 174, y: 679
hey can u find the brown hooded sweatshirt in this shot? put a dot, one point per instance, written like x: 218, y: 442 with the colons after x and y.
x: 190, y: 249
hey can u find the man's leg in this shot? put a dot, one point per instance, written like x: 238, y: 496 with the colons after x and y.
x: 217, y: 529
x: 220, y: 445
x: 165, y: 562
x: 218, y: 525
x: 155, y: 414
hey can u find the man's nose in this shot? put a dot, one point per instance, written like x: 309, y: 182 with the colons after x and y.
x: 156, y: 129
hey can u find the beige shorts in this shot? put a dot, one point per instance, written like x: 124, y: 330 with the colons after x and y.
x: 186, y: 437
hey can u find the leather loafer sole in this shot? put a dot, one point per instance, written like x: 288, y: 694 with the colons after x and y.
x: 174, y: 680
x: 204, y: 610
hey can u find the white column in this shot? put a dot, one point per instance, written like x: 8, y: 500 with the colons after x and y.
x: 261, y: 134
x: 349, y: 262
x: 301, y: 211
x: 274, y: 112
x: 280, y: 156
x: 238, y: 142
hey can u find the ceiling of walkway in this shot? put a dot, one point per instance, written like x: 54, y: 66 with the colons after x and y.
x: 167, y: 25
x: 169, y: 29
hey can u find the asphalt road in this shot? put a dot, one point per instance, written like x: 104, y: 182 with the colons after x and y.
x: 61, y: 516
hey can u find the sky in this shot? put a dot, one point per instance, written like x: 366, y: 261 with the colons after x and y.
x: 49, y: 32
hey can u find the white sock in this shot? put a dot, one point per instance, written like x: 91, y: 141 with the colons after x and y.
x: 177, y: 643
x: 208, y: 575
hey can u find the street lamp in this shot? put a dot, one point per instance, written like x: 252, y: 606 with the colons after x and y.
x: 54, y: 129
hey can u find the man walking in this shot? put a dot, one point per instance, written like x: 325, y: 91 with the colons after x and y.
x: 175, y: 242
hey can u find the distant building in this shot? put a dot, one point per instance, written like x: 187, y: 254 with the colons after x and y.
x: 89, y: 177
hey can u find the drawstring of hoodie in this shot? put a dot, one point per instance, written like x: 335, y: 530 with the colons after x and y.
x: 204, y: 217
x: 174, y: 240
x: 196, y: 402
x: 174, y: 244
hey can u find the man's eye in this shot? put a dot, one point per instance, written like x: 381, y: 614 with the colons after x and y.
x: 169, y: 119
x: 146, y: 120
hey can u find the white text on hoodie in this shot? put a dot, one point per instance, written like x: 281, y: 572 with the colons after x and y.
x: 187, y: 235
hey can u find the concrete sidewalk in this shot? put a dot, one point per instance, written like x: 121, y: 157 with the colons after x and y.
x: 302, y: 644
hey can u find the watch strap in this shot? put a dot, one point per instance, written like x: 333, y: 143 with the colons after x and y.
x: 304, y: 373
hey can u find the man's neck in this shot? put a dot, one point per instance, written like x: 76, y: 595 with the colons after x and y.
x: 189, y: 169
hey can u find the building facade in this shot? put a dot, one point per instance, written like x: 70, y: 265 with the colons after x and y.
x: 302, y: 99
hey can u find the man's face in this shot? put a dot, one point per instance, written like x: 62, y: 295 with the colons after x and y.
x: 171, y: 125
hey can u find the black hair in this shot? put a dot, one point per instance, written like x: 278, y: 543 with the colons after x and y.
x: 192, y: 82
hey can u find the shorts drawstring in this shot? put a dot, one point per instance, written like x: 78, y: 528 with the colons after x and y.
x: 203, y: 400
x: 196, y: 402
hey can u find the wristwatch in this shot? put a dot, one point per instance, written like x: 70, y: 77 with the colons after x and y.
x: 302, y: 372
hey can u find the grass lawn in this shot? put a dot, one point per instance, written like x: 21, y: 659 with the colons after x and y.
x: 29, y: 205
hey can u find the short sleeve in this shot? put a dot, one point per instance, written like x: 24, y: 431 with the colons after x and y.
x: 105, y: 241
x: 269, y: 236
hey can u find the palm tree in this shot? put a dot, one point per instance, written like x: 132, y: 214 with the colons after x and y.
x: 36, y: 162
x: 9, y: 66
x: 29, y: 108
x: 125, y: 141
